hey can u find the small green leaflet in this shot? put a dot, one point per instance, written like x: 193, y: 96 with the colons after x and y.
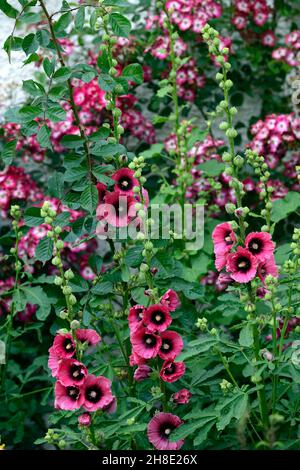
x: 44, y: 250
x: 120, y: 25
x: 89, y: 198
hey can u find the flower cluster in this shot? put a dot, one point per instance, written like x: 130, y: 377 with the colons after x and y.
x: 75, y: 387
x: 273, y: 135
x: 246, y: 11
x: 244, y: 263
x: 16, y: 185
x: 150, y: 339
x: 288, y: 54
x: 28, y: 146
x: 193, y: 14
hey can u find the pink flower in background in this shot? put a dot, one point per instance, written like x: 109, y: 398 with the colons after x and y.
x: 142, y: 372
x: 159, y: 430
x: 171, y: 300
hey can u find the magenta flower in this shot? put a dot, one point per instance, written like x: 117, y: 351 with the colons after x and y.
x: 135, y: 316
x: 125, y: 181
x: 97, y: 393
x: 171, y: 300
x: 101, y: 191
x: 172, y: 345
x: 53, y: 362
x: 159, y: 431
x: 223, y: 238
x: 145, y: 343
x: 88, y: 336
x: 68, y: 398
x: 118, y: 209
x: 142, y: 373
x: 136, y: 360
x: 182, y: 397
x: 85, y: 419
x: 260, y: 244
x: 71, y: 372
x: 242, y: 265
x: 64, y: 346
x: 267, y: 267
x: 172, y: 371
x: 157, y: 318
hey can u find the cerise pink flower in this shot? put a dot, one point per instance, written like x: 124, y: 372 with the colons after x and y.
x: 96, y: 393
x: 267, y: 267
x: 172, y: 371
x: 170, y: 299
x: 142, y: 372
x: 242, y: 265
x: 88, y: 336
x: 182, y: 397
x: 85, y: 419
x: 157, y: 318
x: 260, y: 244
x: 159, y: 430
x: 125, y: 181
x: 64, y: 346
x: 135, y: 316
x: 68, y: 398
x: 145, y: 343
x: 118, y: 209
x: 171, y: 346
x: 71, y: 372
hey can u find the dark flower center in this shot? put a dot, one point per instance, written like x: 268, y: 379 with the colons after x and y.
x: 73, y: 392
x: 158, y: 317
x: 255, y: 245
x: 171, y: 369
x: 227, y: 238
x: 76, y: 372
x: 243, y: 264
x: 93, y: 394
x: 167, y: 345
x: 68, y: 345
x: 165, y: 430
x: 149, y: 341
x: 125, y: 183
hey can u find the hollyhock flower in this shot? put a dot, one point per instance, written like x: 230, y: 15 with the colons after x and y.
x: 145, y: 343
x: 171, y: 300
x: 241, y: 265
x: 136, y: 360
x: 88, y: 336
x: 267, y: 267
x: 101, y: 191
x: 125, y: 181
x: 172, y: 371
x: 223, y: 281
x: 71, y: 372
x: 64, y: 346
x: 111, y: 407
x: 135, y: 316
x: 53, y: 362
x: 182, y: 397
x: 172, y: 345
x: 85, y: 419
x: 159, y: 429
x: 260, y: 18
x: 239, y: 21
x: 118, y: 209
x: 142, y: 373
x: 68, y: 398
x: 157, y: 318
x: 260, y: 244
x: 96, y: 392
x: 223, y: 238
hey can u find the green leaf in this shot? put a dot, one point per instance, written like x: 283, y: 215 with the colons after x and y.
x: 32, y: 217
x: 79, y: 18
x: 186, y: 429
x: 154, y: 151
x: 196, y: 135
x: 30, y: 44
x: 55, y: 113
x: 49, y: 67
x: 89, y: 198
x: 44, y: 250
x: 108, y: 150
x: 246, y: 336
x: 234, y: 406
x: 43, y: 137
x: 63, y: 22
x: 283, y: 207
x: 164, y: 91
x: 120, y: 25
x: 106, y: 82
x: 98, y: 172
x: 8, y: 9
x: 33, y: 88
x: 28, y: 113
x: 212, y: 167
x: 43, y: 37
x: 72, y: 141
x: 36, y: 296
x: 103, y: 288
x: 62, y: 74
x: 134, y: 73
x: 9, y: 151
x: 56, y: 185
